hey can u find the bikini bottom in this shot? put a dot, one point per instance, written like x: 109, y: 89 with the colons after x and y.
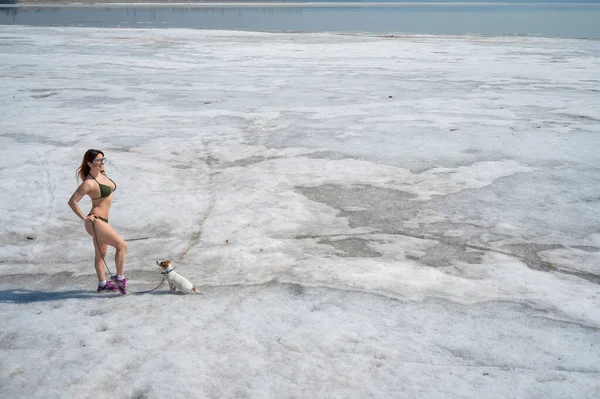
x: 101, y: 218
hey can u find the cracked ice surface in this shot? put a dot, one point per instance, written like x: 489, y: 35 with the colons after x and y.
x: 367, y: 216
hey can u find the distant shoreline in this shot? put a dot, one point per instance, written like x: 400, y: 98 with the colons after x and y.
x: 274, y: 3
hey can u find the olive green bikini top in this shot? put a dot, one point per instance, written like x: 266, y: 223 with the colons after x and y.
x: 105, y: 190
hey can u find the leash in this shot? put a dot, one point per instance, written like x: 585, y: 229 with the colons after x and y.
x: 109, y: 272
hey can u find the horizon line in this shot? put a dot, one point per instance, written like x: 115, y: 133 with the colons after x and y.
x: 280, y: 3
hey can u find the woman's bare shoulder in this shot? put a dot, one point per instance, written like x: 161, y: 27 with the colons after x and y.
x: 85, y: 186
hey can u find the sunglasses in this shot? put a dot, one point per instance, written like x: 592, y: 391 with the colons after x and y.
x: 101, y: 160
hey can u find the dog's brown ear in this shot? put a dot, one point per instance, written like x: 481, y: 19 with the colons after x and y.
x: 164, y: 264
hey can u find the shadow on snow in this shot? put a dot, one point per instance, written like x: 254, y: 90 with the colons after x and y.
x: 28, y: 296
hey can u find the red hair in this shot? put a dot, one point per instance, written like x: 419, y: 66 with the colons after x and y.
x: 84, y: 169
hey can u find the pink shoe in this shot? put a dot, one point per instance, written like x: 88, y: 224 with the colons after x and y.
x: 110, y: 286
x: 121, y: 284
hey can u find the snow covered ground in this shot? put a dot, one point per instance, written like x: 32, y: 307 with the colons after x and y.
x: 398, y: 217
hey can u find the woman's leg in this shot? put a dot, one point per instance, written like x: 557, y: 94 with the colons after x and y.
x: 107, y: 235
x: 98, y: 258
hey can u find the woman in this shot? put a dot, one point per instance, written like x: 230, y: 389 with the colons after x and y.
x: 100, y: 189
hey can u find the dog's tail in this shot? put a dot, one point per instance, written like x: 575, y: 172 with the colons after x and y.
x: 195, y: 291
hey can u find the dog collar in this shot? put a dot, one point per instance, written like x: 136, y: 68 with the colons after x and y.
x: 167, y: 272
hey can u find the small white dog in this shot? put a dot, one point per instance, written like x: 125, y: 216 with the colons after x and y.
x: 175, y: 280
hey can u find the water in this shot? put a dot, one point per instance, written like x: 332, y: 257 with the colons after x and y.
x: 543, y: 19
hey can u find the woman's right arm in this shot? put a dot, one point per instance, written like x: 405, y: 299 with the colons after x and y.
x: 82, y: 190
